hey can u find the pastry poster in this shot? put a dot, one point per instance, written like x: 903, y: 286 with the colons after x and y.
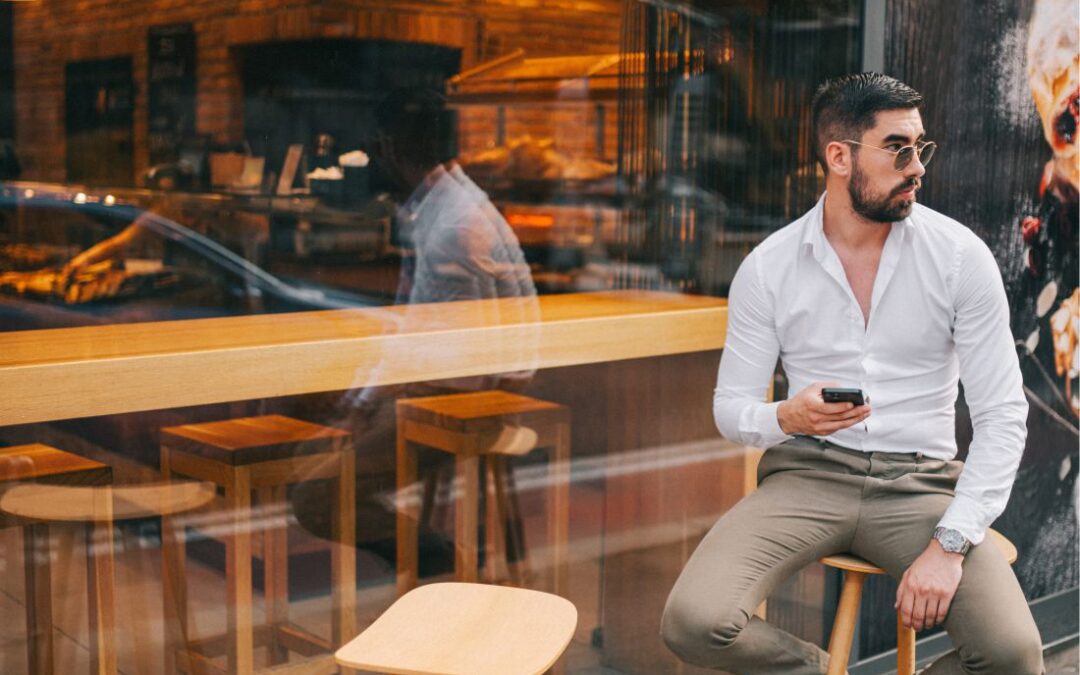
x: 1002, y: 105
x: 1048, y: 300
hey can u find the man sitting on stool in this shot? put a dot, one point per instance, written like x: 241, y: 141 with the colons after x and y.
x: 873, y: 291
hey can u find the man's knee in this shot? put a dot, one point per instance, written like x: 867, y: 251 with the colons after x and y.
x: 697, y: 635
x: 1008, y: 653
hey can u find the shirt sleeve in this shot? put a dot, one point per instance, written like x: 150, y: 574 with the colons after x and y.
x: 751, y: 348
x: 993, y: 387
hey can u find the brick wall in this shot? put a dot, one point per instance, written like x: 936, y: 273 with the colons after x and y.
x: 50, y: 34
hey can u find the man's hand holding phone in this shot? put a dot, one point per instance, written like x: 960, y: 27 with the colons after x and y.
x: 807, y: 413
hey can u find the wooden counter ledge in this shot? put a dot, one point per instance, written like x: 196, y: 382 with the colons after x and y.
x: 80, y: 372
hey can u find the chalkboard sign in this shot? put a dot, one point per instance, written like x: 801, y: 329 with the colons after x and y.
x: 171, y: 90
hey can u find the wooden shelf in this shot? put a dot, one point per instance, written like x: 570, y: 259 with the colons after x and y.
x: 80, y: 372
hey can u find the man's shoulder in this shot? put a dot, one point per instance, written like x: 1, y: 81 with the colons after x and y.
x: 941, y: 228
x: 785, y: 240
x: 948, y: 241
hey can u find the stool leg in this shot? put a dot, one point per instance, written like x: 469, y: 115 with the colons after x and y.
x: 843, y: 631
x: 559, y: 506
x: 406, y: 513
x: 238, y: 571
x: 174, y: 586
x: 431, y: 493
x: 343, y: 553
x: 905, y: 648
x: 275, y: 569
x: 39, y: 628
x: 100, y: 577
x: 465, y: 516
x: 438, y: 493
x: 494, y: 516
x: 140, y: 605
x: 515, y: 525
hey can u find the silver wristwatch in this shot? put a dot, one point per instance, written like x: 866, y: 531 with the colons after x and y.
x: 952, y: 541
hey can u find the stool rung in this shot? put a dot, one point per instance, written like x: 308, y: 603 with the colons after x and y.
x: 216, y: 645
x: 322, y: 665
x: 197, y: 664
x: 193, y: 663
x: 296, y: 639
x: 293, y: 637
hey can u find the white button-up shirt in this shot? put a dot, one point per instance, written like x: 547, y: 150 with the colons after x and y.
x: 938, y: 316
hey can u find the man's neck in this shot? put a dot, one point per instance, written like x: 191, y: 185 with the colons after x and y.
x: 846, y: 229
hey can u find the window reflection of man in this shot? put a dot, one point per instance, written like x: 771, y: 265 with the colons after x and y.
x: 456, y: 246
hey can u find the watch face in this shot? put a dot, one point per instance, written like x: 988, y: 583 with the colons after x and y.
x: 951, y: 540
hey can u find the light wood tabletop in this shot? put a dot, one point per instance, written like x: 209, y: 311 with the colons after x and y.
x: 98, y: 370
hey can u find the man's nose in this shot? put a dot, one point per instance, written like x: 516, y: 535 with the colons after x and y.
x: 916, y: 169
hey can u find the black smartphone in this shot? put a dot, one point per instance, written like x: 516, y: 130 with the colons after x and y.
x: 843, y: 395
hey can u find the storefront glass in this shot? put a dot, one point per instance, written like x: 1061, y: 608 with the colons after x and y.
x: 340, y: 300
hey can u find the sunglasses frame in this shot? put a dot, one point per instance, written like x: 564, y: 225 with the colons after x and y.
x: 901, y: 159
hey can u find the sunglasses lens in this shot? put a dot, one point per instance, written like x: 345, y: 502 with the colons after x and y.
x: 907, y: 153
x: 903, y: 157
x: 927, y: 153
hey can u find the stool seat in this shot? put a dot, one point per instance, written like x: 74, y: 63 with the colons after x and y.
x: 250, y: 440
x: 465, y: 629
x: 479, y: 412
x: 843, y: 631
x: 852, y: 563
x: 38, y: 462
x: 65, y: 503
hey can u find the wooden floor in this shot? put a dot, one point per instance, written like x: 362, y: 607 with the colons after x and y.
x: 1064, y: 661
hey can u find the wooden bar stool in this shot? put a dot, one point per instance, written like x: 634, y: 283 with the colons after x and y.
x: 493, y: 425
x: 98, y: 507
x: 263, y: 455
x: 36, y: 463
x: 843, y: 633
x: 35, y: 505
x: 465, y: 629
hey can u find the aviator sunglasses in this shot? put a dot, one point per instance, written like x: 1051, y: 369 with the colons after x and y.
x: 902, y: 157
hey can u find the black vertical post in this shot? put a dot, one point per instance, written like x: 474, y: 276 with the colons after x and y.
x: 7, y: 71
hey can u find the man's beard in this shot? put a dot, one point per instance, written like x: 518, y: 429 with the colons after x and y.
x: 879, y: 209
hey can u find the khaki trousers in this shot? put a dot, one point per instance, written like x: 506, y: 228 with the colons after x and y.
x: 815, y: 499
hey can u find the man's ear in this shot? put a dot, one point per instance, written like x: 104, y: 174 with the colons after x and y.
x: 838, y: 158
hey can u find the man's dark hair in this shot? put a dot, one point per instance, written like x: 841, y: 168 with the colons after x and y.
x: 419, y: 123
x: 844, y: 107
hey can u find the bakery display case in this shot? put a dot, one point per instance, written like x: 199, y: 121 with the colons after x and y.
x: 625, y: 170
x: 540, y: 135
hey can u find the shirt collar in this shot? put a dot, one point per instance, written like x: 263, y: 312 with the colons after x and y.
x: 813, y: 233
x: 412, y: 206
x: 463, y: 179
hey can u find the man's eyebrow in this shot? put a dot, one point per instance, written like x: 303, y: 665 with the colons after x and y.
x: 903, y: 138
